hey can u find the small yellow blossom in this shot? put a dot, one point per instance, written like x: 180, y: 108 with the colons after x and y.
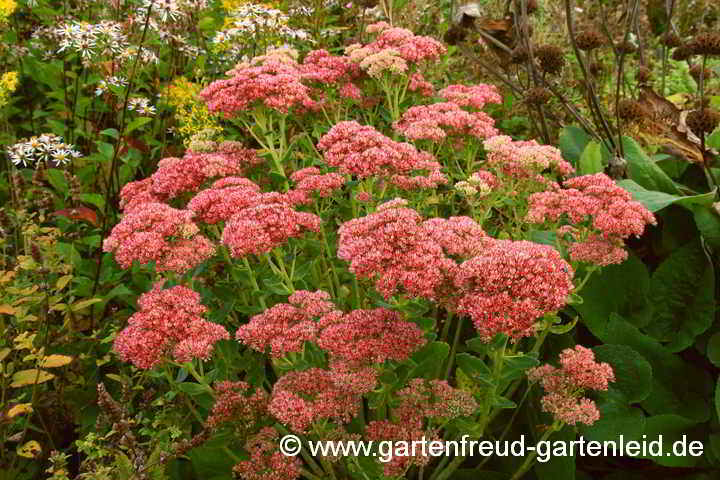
x: 7, y: 7
x: 8, y: 84
x: 191, y: 112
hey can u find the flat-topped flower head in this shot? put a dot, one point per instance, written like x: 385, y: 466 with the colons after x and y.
x: 523, y: 159
x: 225, y: 198
x: 475, y: 96
x: 510, y: 285
x: 236, y: 402
x: 565, y: 386
x: 364, y: 152
x: 395, y: 250
x: 285, y: 327
x: 259, y: 229
x: 434, y: 399
x: 371, y: 336
x: 601, y: 215
x: 439, y: 120
x: 169, y: 324
x: 300, y: 398
x: 157, y: 232
x: 273, y: 84
x: 267, y: 461
x: 175, y: 176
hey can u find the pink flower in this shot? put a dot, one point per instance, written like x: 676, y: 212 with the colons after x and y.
x: 364, y: 152
x: 300, y: 398
x: 596, y: 206
x: 169, y: 323
x: 461, y: 237
x: 266, y: 461
x: 235, y: 402
x: 371, y: 336
x: 136, y: 193
x: 160, y: 233
x: 434, y: 399
x: 274, y: 84
x: 351, y: 91
x: 225, y: 198
x: 565, y: 386
x: 413, y: 48
x: 509, y: 285
x: 310, y: 181
x: 322, y: 67
x: 523, y: 159
x: 285, y: 327
x: 187, y: 174
x: 406, y: 430
x: 437, y: 121
x: 392, y: 248
x: 420, y: 85
x: 259, y: 229
x: 475, y: 96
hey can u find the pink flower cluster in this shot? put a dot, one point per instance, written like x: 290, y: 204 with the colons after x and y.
x: 278, y: 82
x: 354, y: 340
x: 224, y: 198
x: 364, y: 152
x: 392, y: 247
x: 160, y: 233
x: 420, y: 400
x: 565, y: 386
x: 169, y: 322
x: 310, y: 181
x: 509, y: 285
x: 322, y: 67
x: 285, y: 327
x: 475, y: 96
x: 522, y: 159
x: 235, y: 402
x: 597, y: 207
x: 434, y: 399
x: 259, y: 229
x: 300, y: 398
x: 187, y: 174
x: 412, y: 48
x: 266, y: 461
x: 275, y: 84
x: 437, y: 121
x: 371, y: 336
x: 420, y: 85
x: 407, y: 430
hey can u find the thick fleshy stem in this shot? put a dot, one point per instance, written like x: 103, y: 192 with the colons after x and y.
x: 530, y: 459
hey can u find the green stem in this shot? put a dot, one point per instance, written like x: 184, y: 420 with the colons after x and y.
x: 453, y: 351
x: 530, y: 459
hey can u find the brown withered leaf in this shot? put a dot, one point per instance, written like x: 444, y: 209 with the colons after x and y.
x: 79, y: 213
x: 664, y: 124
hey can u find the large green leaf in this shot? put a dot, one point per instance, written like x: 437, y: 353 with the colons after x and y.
x: 616, y: 418
x: 678, y: 387
x: 708, y: 222
x: 682, y: 291
x: 591, y: 159
x: 672, y: 428
x: 621, y: 289
x: 633, y: 374
x: 644, y: 171
x: 654, y: 200
x: 573, y: 141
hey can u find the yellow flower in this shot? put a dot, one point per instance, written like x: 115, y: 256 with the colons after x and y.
x: 8, y: 84
x: 7, y: 7
x: 191, y: 113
